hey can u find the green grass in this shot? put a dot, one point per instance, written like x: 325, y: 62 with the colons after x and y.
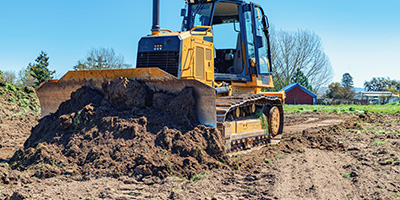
x: 382, y: 131
x: 11, y: 100
x: 15, y: 94
x: 23, y: 102
x: 346, y: 175
x: 179, y: 179
x: 279, y: 155
x: 388, y: 108
x: 264, y: 120
x: 10, y: 87
x: 380, y: 142
x: 135, y: 194
x: 198, y: 177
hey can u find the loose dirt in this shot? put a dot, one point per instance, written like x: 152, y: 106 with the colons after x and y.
x: 125, y: 130
x: 103, y: 150
x: 19, y: 112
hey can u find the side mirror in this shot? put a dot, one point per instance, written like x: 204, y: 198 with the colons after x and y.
x: 259, y: 41
x: 183, y: 12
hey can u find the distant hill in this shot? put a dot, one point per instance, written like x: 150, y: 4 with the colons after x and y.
x: 357, y: 90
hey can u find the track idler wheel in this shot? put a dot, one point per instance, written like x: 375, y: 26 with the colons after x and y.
x: 274, y: 121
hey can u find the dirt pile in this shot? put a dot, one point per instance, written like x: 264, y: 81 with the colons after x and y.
x: 19, y: 112
x: 125, y: 129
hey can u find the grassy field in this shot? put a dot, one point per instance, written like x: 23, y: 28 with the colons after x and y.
x: 388, y: 108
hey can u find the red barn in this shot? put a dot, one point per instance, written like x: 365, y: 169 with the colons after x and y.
x: 297, y: 94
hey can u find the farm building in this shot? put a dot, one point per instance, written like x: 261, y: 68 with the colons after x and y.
x: 297, y: 94
x: 379, y: 97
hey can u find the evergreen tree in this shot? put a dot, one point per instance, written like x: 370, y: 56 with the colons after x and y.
x: 347, y: 81
x: 300, y: 78
x: 40, y: 70
x: 348, y: 86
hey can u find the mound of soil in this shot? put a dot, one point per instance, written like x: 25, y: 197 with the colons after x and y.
x: 19, y: 112
x: 125, y: 129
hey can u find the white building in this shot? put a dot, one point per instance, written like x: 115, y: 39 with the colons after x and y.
x: 377, y: 96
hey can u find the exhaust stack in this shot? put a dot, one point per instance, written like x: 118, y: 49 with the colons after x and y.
x: 155, y: 29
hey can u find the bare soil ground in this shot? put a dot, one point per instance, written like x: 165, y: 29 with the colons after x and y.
x: 321, y: 156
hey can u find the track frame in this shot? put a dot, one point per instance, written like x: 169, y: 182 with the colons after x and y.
x: 243, y: 108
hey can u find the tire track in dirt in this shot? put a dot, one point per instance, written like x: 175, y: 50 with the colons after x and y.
x: 314, y: 174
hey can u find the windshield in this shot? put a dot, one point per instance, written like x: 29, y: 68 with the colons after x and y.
x: 201, y: 14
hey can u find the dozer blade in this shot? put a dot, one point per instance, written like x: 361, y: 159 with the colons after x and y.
x: 53, y: 93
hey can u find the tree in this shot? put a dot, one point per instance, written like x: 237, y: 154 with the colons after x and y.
x: 336, y: 91
x: 300, y: 78
x: 25, y: 78
x: 9, y: 77
x: 347, y: 84
x: 101, y: 58
x: 299, y: 50
x: 347, y: 81
x: 381, y: 84
x: 376, y: 84
x: 1, y: 76
x: 39, y: 70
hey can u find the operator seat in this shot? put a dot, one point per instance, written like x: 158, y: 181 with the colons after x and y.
x: 237, y: 66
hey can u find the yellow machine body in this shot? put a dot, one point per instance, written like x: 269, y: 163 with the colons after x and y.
x: 171, y: 61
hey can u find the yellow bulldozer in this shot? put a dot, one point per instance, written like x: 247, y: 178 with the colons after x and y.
x: 222, y: 51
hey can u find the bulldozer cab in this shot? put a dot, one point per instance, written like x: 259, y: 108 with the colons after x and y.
x: 241, y: 37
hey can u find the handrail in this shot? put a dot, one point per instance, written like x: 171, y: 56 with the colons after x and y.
x: 164, y: 29
x: 153, y: 32
x: 191, y: 59
x: 208, y: 28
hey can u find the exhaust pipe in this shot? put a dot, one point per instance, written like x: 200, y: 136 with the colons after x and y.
x: 155, y: 29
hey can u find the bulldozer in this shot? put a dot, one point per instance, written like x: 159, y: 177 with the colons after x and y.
x: 222, y: 52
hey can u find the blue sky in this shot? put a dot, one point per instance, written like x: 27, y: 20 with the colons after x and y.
x: 360, y: 37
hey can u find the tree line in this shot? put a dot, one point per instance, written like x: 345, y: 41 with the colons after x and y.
x: 33, y: 75
x: 38, y: 72
x: 345, y: 89
x: 342, y: 90
x: 299, y: 57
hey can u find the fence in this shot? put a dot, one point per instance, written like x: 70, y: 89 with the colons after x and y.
x: 342, y: 101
